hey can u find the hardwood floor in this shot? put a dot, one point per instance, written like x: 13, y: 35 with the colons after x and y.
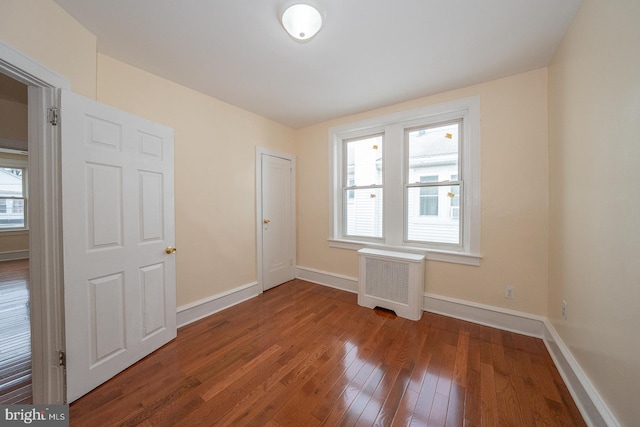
x: 15, y: 333
x: 303, y: 354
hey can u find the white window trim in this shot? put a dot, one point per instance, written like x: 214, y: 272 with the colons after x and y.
x: 393, y: 125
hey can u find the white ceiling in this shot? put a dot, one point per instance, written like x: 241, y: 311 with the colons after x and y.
x: 369, y: 54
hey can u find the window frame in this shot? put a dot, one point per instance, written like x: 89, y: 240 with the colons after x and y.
x: 395, y: 173
x: 18, y: 164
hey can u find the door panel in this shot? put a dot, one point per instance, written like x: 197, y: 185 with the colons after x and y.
x: 152, y: 281
x: 104, y: 201
x: 106, y: 312
x: 118, y: 218
x: 151, y: 200
x: 277, y: 239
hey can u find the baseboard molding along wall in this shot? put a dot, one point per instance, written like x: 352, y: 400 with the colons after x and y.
x: 589, y: 401
x: 197, y: 310
x: 495, y: 317
x: 338, y: 281
x: 14, y: 255
x: 591, y: 405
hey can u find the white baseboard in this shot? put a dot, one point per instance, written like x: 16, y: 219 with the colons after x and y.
x: 197, y: 310
x: 338, y: 281
x: 591, y: 406
x: 488, y: 315
x: 589, y: 401
x: 14, y: 255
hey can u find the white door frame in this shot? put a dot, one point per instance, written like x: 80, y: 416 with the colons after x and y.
x: 259, y: 228
x: 45, y: 224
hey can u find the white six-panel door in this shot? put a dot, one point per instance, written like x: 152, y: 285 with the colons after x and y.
x: 118, y: 220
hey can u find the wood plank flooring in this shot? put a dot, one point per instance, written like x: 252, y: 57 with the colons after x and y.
x: 303, y: 354
x: 15, y: 333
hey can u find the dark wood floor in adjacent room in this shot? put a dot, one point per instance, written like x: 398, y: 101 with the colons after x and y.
x: 307, y: 355
x: 15, y: 333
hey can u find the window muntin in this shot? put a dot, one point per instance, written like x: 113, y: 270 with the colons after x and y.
x: 363, y: 194
x: 454, y: 195
x: 13, y: 206
x: 433, y: 156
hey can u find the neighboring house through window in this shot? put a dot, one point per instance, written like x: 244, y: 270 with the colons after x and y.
x: 409, y: 181
x: 13, y: 195
x: 363, y: 174
x: 429, y: 197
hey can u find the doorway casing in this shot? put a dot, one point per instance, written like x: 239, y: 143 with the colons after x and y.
x: 45, y: 224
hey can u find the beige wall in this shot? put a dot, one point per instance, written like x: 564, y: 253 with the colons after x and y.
x: 594, y: 128
x: 214, y: 174
x: 13, y: 109
x: 215, y: 144
x: 43, y: 31
x: 514, y: 173
x: 14, y: 241
x: 13, y: 120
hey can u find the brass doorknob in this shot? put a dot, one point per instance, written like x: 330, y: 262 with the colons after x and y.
x: 170, y: 250
x: 266, y: 221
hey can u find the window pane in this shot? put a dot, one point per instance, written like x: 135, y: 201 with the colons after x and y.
x: 441, y: 227
x: 433, y: 151
x: 363, y: 213
x: 364, y: 161
x: 11, y: 182
x: 433, y: 212
x: 11, y: 198
x: 429, y: 196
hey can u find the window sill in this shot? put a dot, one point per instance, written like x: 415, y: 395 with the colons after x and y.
x: 431, y: 254
x: 9, y: 232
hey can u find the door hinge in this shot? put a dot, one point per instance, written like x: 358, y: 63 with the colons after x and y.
x: 62, y: 358
x: 53, y: 116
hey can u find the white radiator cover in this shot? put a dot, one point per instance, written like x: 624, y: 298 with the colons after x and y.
x: 391, y: 280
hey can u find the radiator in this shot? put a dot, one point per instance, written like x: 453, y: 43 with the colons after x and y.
x: 391, y: 280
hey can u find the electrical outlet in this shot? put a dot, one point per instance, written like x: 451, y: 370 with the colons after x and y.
x: 564, y: 309
x: 508, y: 292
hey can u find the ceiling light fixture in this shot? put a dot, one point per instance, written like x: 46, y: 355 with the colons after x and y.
x: 302, y: 21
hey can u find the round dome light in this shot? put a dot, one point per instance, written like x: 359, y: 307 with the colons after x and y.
x: 302, y: 21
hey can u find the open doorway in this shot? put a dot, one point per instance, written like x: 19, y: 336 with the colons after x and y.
x: 42, y: 216
x: 15, y: 314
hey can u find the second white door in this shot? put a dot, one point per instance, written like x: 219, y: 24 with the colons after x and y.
x: 277, y: 221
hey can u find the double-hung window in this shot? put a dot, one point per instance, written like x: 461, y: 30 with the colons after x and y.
x: 13, y: 195
x: 409, y: 181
